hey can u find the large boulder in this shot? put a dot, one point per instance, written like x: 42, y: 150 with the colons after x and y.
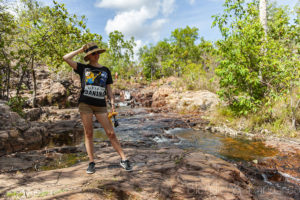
x: 201, y: 100
x: 17, y: 134
x: 35, y: 137
x: 11, y: 126
x: 57, y: 93
x: 144, y: 97
x: 10, y: 119
x: 167, y: 97
x: 159, y: 97
x: 34, y: 114
x: 42, y: 73
x: 61, y: 89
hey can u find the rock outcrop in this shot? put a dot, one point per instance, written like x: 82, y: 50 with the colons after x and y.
x: 166, y: 96
x: 17, y: 134
x: 202, y: 100
x: 54, y: 89
x: 143, y: 97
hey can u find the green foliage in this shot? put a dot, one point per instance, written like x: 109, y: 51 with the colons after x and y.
x: 7, y: 35
x: 149, y: 61
x: 254, y: 68
x: 16, y: 104
x: 14, y: 194
x: 183, y: 47
x: 37, y: 35
x: 43, y: 194
x: 120, y: 54
x: 174, y: 56
x: 65, y: 160
x: 42, y: 35
x: 48, y: 33
x: 270, y: 119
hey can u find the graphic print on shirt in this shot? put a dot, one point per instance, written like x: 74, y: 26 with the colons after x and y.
x: 95, y: 83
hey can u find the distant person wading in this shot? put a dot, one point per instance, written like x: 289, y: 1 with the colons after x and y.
x: 96, y: 82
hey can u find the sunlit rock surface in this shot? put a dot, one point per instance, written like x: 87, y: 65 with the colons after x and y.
x: 164, y: 173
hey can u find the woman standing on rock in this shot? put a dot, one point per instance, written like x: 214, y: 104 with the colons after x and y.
x: 96, y: 82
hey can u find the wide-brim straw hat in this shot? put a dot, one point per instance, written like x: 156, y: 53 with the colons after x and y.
x: 91, y: 48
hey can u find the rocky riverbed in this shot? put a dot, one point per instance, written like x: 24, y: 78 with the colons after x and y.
x: 166, y: 165
x: 164, y: 173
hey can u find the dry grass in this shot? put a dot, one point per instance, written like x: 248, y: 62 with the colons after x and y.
x: 270, y: 121
x: 204, y: 82
x: 123, y: 84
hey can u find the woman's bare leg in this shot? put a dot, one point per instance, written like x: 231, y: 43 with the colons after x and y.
x: 87, y: 120
x: 109, y: 130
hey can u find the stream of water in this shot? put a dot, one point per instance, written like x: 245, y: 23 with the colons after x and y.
x: 156, y: 127
x: 216, y: 144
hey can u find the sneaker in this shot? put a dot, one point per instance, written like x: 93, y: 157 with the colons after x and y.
x: 91, y: 168
x: 126, y: 165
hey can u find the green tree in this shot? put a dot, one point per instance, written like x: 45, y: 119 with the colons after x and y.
x: 179, y: 55
x: 201, y: 64
x: 182, y: 47
x: 45, y: 34
x: 149, y: 62
x: 120, y: 53
x: 163, y: 53
x: 249, y: 77
x: 7, y: 55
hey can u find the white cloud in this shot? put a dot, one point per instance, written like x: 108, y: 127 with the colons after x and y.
x: 191, y: 2
x: 142, y: 19
x: 124, y: 5
x: 168, y: 6
x: 131, y: 23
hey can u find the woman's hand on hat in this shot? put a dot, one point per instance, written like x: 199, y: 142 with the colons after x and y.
x: 84, y: 47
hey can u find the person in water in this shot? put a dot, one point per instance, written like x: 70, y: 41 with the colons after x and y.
x: 96, y: 82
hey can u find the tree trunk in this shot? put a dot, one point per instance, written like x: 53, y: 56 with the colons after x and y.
x: 8, y: 81
x: 263, y: 21
x: 6, y: 71
x: 34, y: 83
x: 294, y: 110
x: 263, y: 15
x: 20, y: 82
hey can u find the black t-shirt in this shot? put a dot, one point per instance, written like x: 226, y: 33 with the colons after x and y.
x: 93, y: 84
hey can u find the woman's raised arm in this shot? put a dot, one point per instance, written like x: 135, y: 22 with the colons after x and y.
x: 68, y: 57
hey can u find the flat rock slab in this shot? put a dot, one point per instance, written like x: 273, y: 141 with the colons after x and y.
x: 164, y: 173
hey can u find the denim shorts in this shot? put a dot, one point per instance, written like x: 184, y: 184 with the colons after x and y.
x: 85, y: 108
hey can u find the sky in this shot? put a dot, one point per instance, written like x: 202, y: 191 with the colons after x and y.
x: 149, y: 21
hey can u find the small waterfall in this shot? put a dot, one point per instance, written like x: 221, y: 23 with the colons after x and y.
x: 266, y: 179
x: 127, y: 95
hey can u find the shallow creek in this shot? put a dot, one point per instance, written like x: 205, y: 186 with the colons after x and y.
x: 143, y: 127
